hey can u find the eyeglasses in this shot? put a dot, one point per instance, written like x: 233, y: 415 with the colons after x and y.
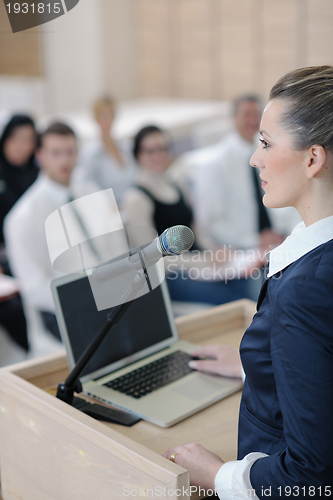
x: 155, y: 150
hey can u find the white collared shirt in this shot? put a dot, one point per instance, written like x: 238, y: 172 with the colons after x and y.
x: 301, y: 241
x: 26, y: 246
x: 234, y: 477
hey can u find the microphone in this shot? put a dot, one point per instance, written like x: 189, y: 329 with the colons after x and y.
x: 173, y: 241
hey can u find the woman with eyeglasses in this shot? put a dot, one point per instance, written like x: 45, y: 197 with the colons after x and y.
x: 155, y: 201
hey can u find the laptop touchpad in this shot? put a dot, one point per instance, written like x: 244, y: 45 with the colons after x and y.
x: 198, y: 388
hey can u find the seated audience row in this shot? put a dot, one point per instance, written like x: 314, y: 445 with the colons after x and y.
x: 223, y: 206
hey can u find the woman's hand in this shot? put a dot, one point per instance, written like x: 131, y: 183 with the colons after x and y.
x: 225, y: 360
x: 202, y: 464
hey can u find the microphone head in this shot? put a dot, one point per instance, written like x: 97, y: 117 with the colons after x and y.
x: 176, y: 240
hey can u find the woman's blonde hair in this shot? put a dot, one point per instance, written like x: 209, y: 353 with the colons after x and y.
x: 308, y: 110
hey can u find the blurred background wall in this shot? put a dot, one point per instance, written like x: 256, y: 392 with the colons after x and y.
x: 205, y: 49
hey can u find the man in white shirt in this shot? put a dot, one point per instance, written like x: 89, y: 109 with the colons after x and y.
x: 227, y: 209
x: 24, y: 226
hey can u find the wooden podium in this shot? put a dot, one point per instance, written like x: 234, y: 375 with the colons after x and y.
x: 51, y: 451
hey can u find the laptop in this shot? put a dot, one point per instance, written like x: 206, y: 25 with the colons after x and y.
x: 141, y: 366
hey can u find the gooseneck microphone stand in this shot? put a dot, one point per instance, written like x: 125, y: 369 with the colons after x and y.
x: 72, y: 383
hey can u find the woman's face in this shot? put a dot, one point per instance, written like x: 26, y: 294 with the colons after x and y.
x: 104, y: 118
x: 20, y: 145
x: 282, y: 169
x: 153, y: 154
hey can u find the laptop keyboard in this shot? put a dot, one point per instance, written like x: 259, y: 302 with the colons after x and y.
x: 150, y: 377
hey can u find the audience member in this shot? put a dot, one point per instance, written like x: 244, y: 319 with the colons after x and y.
x: 156, y: 202
x: 18, y: 167
x: 103, y: 161
x: 18, y: 170
x: 228, y: 193
x: 24, y: 226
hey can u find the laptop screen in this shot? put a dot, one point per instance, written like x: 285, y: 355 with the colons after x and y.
x: 144, y: 324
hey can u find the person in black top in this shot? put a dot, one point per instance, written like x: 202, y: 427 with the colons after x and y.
x: 18, y: 167
x: 18, y: 170
x: 170, y: 207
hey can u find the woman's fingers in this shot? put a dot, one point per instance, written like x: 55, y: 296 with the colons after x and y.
x: 225, y: 360
x: 201, y: 463
x: 171, y: 451
x: 207, y: 350
x: 206, y: 365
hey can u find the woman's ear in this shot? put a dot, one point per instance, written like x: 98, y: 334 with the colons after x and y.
x: 317, y: 160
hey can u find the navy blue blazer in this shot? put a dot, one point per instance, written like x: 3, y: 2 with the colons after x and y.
x: 287, y: 404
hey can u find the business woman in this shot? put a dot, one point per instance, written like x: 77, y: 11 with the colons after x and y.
x: 285, y: 436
